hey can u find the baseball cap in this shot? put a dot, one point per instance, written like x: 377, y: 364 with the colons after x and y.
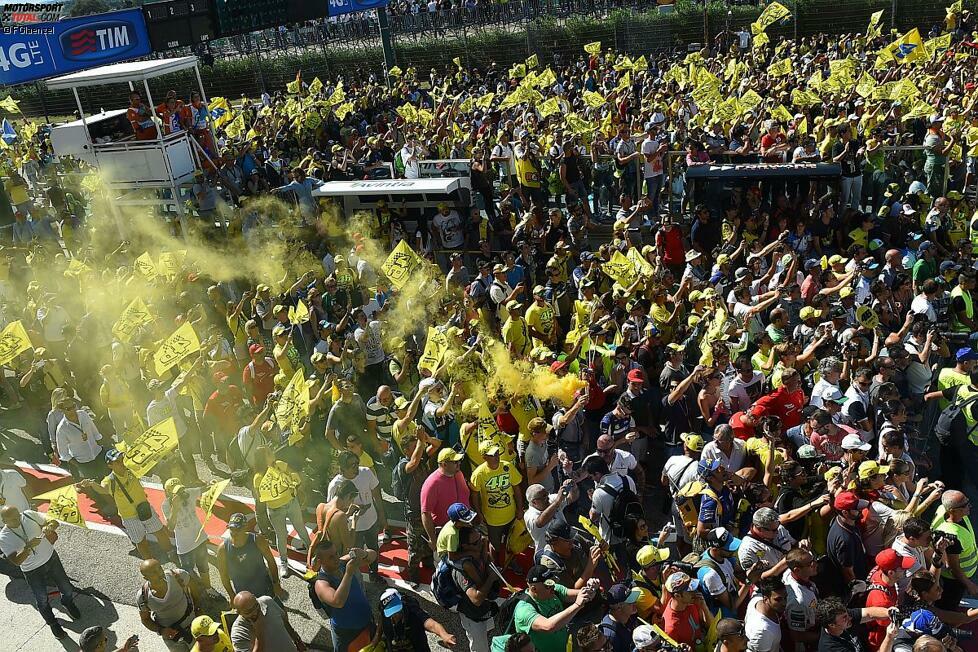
x: 490, y: 448
x: 924, y: 621
x: 203, y: 626
x: 681, y: 583
x: 722, y: 538
x: 705, y: 467
x: 835, y: 395
x: 560, y: 530
x: 112, y: 455
x: 539, y: 573
x: 173, y: 486
x: 675, y: 347
x: 837, y: 312
x: 966, y: 353
x: 836, y: 259
x: 845, y: 292
x: 449, y: 455
x: 871, y: 468
x: 649, y: 554
x: 622, y: 594
x: 693, y: 441
x: 854, y: 443
x: 390, y: 602
x: 400, y: 402
x: 237, y: 521
x: 557, y: 365
x: 848, y: 500
x: 644, y: 636
x: 636, y: 376
x: 256, y: 349
x: 807, y: 452
x: 949, y: 265
x: 460, y: 513
x: 809, y: 313
x: 889, y: 559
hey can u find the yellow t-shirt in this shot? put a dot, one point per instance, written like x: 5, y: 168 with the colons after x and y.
x: 542, y: 318
x: 516, y: 333
x: 276, y: 486
x: 759, y: 446
x: 524, y: 409
x: 497, y: 492
x: 223, y: 643
x: 120, y: 487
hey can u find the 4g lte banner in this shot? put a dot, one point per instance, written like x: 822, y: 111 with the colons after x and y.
x: 40, y: 50
x: 337, y: 7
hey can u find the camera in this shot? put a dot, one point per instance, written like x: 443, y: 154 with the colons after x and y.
x: 938, y: 535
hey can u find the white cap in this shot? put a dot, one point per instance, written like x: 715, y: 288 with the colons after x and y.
x: 854, y: 443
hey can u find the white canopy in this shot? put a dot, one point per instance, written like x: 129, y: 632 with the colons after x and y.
x: 440, y: 186
x: 121, y: 73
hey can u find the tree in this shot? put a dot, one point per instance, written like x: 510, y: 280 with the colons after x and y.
x: 88, y: 7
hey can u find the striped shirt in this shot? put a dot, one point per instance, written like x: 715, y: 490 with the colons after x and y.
x: 383, y: 417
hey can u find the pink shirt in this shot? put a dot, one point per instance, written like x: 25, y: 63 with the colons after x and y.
x: 439, y: 492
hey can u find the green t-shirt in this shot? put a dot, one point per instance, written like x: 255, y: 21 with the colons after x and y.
x: 924, y: 270
x: 527, y: 611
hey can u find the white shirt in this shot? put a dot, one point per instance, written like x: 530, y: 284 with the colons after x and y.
x: 187, y: 529
x: 800, y: 612
x: 733, y: 463
x: 654, y: 168
x: 921, y: 305
x: 763, y: 634
x: 505, y: 167
x: 920, y: 561
x: 12, y: 486
x: 78, y: 441
x: 742, y: 390
x: 602, y: 502
x: 623, y: 462
x: 412, y: 170
x: 13, y: 540
x: 366, y: 481
x: 822, y: 389
x: 450, y: 228
x: 539, y: 534
x: 751, y: 549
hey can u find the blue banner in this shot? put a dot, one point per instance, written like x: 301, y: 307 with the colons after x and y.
x: 42, y: 50
x: 337, y: 7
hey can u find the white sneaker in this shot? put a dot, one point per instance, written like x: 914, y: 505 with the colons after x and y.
x: 283, y: 569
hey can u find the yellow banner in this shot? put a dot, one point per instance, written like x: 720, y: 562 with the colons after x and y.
x: 144, y: 266
x: 434, y: 349
x: 532, y: 61
x: 908, y: 48
x: 593, y: 47
x: 13, y: 342
x: 135, y: 315
x: 401, y: 264
x: 209, y: 497
x: 316, y: 86
x: 169, y: 263
x: 780, y: 68
x: 63, y: 505
x: 175, y: 348
x: 593, y: 100
x: 151, y: 447
x: 293, y: 406
x: 275, y: 484
x: 10, y: 105
x: 643, y: 266
x: 549, y: 107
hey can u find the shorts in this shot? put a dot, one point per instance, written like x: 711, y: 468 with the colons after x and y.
x: 137, y: 530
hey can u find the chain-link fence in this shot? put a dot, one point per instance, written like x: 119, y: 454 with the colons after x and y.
x: 506, y: 33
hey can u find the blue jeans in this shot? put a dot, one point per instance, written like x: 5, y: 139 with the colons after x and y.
x: 653, y: 188
x: 52, y: 572
x: 852, y: 191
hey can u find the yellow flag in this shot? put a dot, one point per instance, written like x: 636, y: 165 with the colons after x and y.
x: 144, y: 266
x: 802, y: 127
x: 908, y: 48
x: 10, y: 105
x: 942, y: 42
x: 293, y: 406
x: 780, y: 68
x: 434, y: 349
x: 169, y: 263
x: 760, y: 40
x: 408, y: 112
x: 338, y: 96
x: 549, y: 107
x: 640, y: 64
x: 485, y: 101
x: 76, y: 268
x: 135, y: 315
x: 593, y: 48
x: 804, y: 98
x: 781, y: 114
x: 343, y: 110
x: 175, y: 348
x: 209, y: 498
x: 401, y: 264
x: 593, y: 100
x: 546, y: 79
x: 294, y: 87
x: 641, y: 264
x: 532, y: 61
x: 219, y: 103
x: 750, y: 99
x: 865, y: 85
x: 63, y: 505
x: 316, y: 86
x: 151, y: 447
x: 621, y: 269
x: 299, y: 313
x: 13, y: 342
x: 275, y: 484
x: 395, y: 72
x: 873, y: 29
x: 771, y: 14
x: 236, y: 128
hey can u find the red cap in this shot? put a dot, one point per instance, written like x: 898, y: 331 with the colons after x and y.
x: 256, y: 349
x: 636, y: 376
x: 889, y: 560
x: 847, y: 500
x: 558, y: 365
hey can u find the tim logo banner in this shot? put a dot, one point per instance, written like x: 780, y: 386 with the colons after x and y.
x: 337, y: 7
x: 71, y: 45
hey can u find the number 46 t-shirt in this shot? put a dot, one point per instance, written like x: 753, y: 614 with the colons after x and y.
x: 496, y: 488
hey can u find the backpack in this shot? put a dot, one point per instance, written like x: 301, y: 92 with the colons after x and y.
x: 948, y: 423
x: 624, y: 503
x: 399, y: 165
x: 688, y: 500
x: 400, y: 482
x: 506, y: 619
x: 446, y: 590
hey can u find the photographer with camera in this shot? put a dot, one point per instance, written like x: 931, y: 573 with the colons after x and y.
x: 926, y: 548
x: 546, y: 615
x: 836, y: 624
x: 962, y: 554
